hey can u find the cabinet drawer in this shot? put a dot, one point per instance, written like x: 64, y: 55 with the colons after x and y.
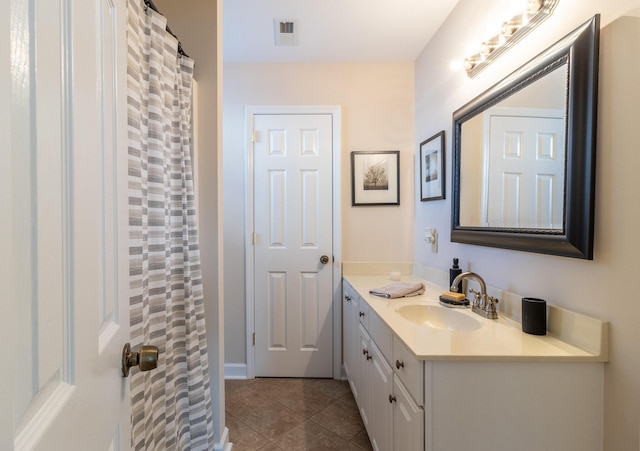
x: 381, y: 335
x: 409, y: 369
x: 348, y: 292
x: 364, y: 312
x: 349, y: 296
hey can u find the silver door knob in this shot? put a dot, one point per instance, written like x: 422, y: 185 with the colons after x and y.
x: 324, y: 259
x: 146, y: 359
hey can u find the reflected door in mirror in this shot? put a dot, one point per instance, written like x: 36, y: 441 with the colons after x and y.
x: 516, y: 179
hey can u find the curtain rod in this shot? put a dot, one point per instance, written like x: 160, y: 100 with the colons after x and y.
x: 150, y: 4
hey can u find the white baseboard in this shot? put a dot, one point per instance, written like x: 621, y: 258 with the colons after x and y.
x: 235, y: 370
x: 239, y: 371
x: 224, y: 444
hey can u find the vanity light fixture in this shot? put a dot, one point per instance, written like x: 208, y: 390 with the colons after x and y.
x: 512, y: 31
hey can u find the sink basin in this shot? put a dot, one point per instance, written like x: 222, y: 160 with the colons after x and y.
x: 438, y: 317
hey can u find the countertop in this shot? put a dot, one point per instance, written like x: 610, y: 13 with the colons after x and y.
x: 495, y: 340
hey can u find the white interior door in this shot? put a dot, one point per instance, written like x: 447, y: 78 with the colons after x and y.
x: 66, y: 280
x: 526, y: 171
x: 293, y: 231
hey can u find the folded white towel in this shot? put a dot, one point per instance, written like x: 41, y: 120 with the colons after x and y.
x: 399, y: 290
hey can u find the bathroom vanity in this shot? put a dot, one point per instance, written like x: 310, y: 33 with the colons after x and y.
x: 485, y: 385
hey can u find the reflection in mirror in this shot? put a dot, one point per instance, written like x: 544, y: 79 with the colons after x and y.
x: 513, y: 159
x: 524, y: 154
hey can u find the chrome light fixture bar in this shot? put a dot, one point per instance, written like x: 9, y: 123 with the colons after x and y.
x: 512, y: 31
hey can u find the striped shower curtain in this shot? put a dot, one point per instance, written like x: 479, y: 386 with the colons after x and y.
x: 171, y: 405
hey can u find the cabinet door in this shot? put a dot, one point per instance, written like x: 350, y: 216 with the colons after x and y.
x: 363, y: 381
x: 408, y: 420
x: 350, y: 334
x: 381, y: 413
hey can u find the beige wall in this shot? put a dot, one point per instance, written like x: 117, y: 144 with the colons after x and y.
x: 603, y: 287
x: 377, y: 114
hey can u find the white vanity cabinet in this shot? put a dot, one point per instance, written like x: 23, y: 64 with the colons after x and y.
x: 515, y: 405
x: 377, y: 367
x: 427, y: 390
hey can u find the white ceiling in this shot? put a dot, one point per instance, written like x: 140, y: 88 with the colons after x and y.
x: 332, y: 30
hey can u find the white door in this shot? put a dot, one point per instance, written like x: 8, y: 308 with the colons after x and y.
x: 293, y: 232
x: 526, y: 171
x: 408, y: 420
x: 381, y: 418
x: 64, y: 227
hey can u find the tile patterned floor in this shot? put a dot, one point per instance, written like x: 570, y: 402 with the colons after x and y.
x: 269, y: 414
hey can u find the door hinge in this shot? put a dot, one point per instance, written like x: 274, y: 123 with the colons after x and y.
x: 253, y: 136
x: 254, y: 238
x: 254, y: 339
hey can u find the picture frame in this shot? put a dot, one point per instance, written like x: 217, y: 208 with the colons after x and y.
x: 375, y: 178
x: 432, y: 168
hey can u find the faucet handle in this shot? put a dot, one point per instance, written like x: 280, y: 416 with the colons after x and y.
x: 476, y: 296
x: 490, y: 307
x: 492, y: 301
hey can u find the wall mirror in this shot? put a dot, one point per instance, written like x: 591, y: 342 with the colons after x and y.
x: 524, y: 154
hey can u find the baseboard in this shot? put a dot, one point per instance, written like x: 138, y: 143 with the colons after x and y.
x: 343, y: 374
x: 235, y: 370
x: 224, y: 444
x: 239, y: 371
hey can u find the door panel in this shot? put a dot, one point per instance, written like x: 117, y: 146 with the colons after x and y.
x: 68, y: 226
x: 293, y: 229
x: 526, y: 172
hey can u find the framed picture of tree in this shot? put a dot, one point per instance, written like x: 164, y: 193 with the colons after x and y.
x: 375, y: 178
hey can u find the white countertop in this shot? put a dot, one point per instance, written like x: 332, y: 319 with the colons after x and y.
x: 495, y: 340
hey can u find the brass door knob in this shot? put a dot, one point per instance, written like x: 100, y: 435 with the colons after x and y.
x: 324, y: 259
x: 146, y: 359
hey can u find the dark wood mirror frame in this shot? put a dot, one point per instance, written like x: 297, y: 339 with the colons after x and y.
x: 579, y: 50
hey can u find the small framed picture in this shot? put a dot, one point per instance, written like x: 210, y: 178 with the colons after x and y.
x: 432, y: 166
x: 375, y: 178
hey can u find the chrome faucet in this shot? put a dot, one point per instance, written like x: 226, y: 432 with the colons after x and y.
x: 483, y: 304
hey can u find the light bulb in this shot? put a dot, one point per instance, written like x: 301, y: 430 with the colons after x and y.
x: 456, y: 65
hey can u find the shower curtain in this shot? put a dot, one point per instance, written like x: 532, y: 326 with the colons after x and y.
x: 171, y: 405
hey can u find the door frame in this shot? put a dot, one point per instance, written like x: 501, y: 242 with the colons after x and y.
x: 335, y: 112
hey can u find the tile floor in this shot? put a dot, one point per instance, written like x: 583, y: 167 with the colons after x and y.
x: 271, y: 414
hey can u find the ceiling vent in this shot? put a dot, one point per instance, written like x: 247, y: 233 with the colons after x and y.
x: 286, y: 32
